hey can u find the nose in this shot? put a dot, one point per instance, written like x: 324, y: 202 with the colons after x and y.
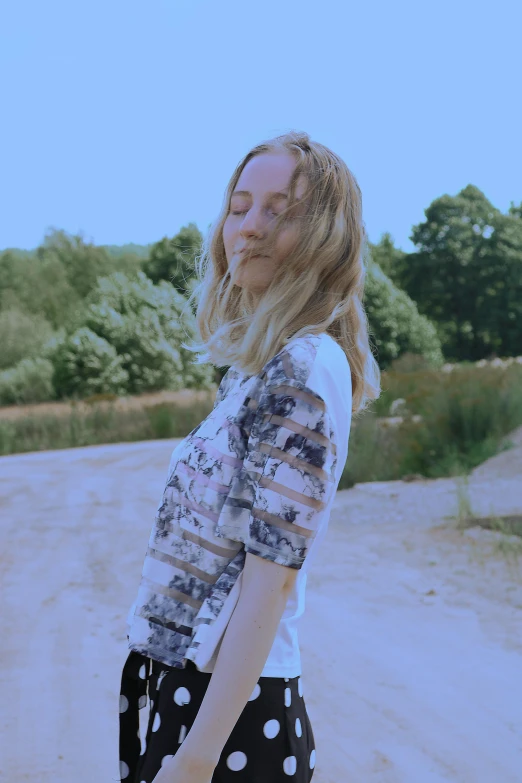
x: 253, y: 224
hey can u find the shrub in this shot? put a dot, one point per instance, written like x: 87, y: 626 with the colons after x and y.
x: 21, y: 336
x: 86, y: 364
x: 31, y: 380
x: 146, y: 324
x: 395, y: 323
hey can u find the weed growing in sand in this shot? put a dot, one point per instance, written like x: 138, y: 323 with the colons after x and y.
x: 508, y: 541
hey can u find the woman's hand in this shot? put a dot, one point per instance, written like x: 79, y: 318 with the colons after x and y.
x: 183, y: 770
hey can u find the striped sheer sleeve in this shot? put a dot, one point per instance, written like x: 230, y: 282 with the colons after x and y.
x: 281, y: 496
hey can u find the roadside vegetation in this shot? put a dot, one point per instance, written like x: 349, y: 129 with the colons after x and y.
x: 85, y: 328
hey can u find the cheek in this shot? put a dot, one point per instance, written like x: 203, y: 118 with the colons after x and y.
x: 286, y: 241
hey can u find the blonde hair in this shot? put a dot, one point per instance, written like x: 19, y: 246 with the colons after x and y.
x: 318, y: 289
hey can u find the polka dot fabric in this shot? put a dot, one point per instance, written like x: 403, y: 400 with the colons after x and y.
x: 272, y: 740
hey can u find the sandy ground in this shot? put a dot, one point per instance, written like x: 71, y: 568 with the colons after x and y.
x: 419, y: 681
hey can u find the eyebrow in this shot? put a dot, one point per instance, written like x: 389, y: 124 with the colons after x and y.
x: 271, y: 193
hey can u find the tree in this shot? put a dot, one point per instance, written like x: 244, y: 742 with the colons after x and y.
x: 396, y: 327
x: 173, y: 260
x: 515, y: 211
x: 37, y: 286
x: 467, y: 274
x: 390, y: 258
x: 83, y: 262
x: 498, y: 326
x: 22, y: 336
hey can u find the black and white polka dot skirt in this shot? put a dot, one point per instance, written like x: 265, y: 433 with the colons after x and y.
x: 272, y: 740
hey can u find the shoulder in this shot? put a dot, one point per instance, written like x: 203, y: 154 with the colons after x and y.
x: 229, y: 379
x: 309, y: 360
x: 312, y: 375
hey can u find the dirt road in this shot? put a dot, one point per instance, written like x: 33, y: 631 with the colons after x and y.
x: 420, y: 676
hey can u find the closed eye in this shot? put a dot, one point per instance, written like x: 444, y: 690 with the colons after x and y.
x: 242, y: 212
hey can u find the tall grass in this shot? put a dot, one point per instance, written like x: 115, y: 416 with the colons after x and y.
x: 464, y: 415
x: 452, y: 422
x: 100, y: 425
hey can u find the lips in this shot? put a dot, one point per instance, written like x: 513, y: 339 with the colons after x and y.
x: 252, y: 255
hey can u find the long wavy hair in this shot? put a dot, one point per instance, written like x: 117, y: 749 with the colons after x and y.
x: 318, y: 289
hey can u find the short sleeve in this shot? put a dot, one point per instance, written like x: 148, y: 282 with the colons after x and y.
x: 280, y: 499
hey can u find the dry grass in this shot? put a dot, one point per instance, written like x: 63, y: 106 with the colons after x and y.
x: 184, y: 399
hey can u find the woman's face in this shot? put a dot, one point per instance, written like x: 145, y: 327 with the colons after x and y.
x: 258, y: 198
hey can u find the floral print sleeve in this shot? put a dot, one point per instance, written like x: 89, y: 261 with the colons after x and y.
x: 280, y: 498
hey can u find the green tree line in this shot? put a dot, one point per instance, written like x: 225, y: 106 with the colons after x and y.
x: 78, y: 319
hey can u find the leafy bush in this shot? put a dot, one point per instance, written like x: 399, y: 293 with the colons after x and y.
x: 395, y: 323
x: 86, y: 364
x: 146, y: 324
x: 31, y: 380
x: 21, y: 336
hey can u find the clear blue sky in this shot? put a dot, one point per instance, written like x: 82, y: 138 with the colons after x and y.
x: 125, y: 120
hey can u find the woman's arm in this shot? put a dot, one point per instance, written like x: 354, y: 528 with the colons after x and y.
x: 243, y: 653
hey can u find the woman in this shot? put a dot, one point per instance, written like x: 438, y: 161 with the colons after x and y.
x: 212, y: 635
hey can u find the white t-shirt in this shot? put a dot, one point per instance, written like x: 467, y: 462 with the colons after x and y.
x: 258, y: 475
